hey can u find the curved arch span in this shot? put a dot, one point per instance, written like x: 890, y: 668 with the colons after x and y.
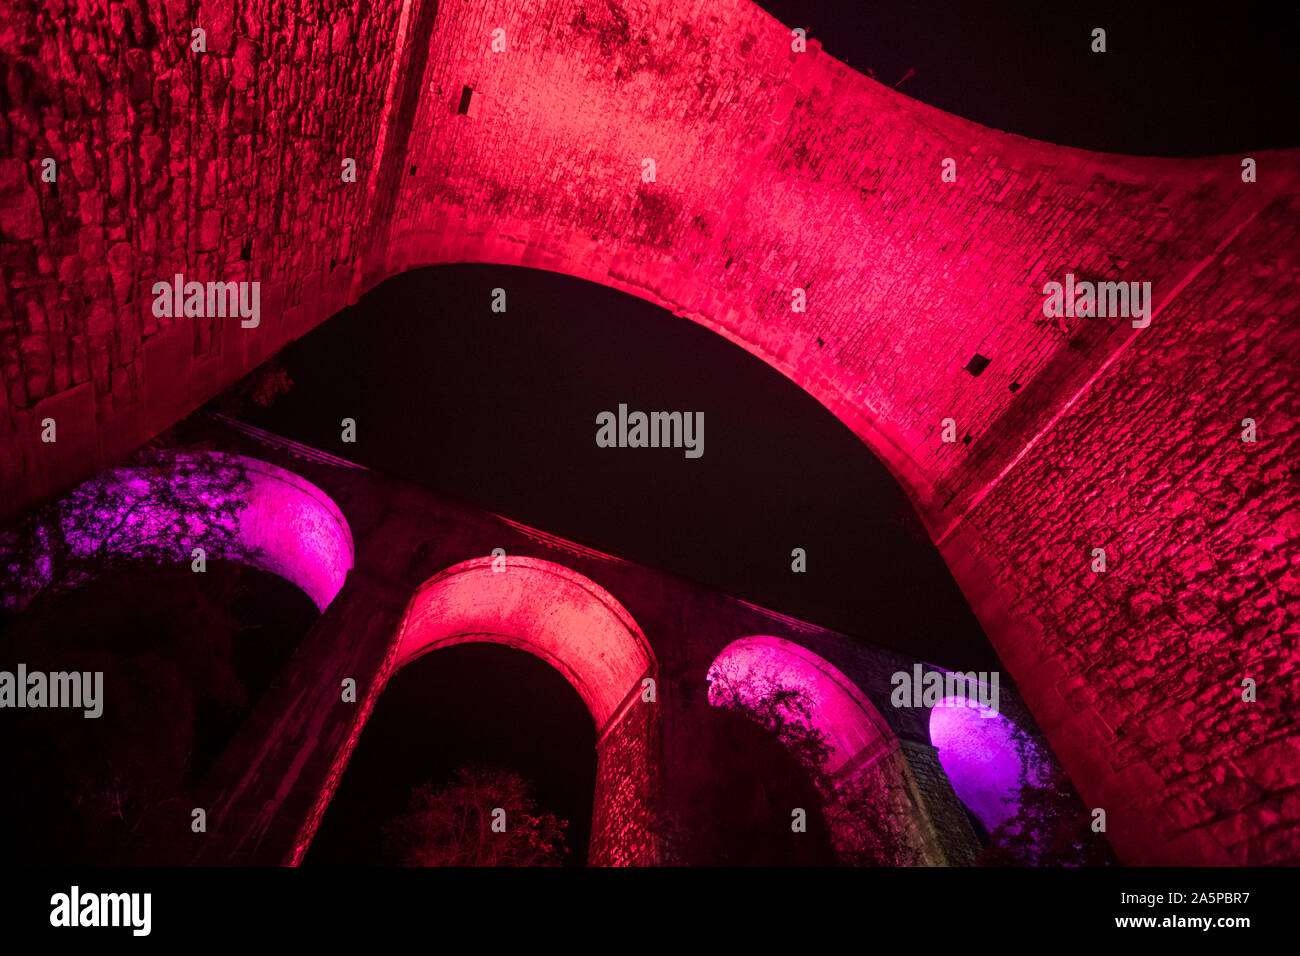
x: 562, y: 617
x: 755, y: 666
x: 578, y: 628
x: 162, y: 508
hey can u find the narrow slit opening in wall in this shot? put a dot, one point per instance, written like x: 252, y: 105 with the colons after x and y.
x: 466, y: 97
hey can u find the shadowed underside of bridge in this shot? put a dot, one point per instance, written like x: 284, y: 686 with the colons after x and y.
x: 774, y: 170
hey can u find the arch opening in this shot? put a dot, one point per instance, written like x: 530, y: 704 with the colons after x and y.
x: 752, y: 668
x: 178, y: 587
x: 986, y: 758
x: 868, y: 800
x: 459, y: 731
x: 580, y: 630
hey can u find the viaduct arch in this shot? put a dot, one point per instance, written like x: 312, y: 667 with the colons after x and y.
x: 774, y: 171
x: 167, y: 504
x: 853, y: 728
x: 979, y: 755
x: 864, y: 749
x: 578, y: 628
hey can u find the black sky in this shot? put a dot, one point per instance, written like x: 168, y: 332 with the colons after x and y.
x: 1177, y: 79
x: 500, y: 410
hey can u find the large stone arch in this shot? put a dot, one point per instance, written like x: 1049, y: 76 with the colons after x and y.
x: 578, y: 628
x: 864, y: 750
x: 775, y: 171
x: 170, y: 503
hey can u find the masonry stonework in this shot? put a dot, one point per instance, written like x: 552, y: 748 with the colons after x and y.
x: 774, y: 171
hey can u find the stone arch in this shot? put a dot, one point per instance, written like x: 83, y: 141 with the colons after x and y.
x: 164, y: 506
x: 853, y: 727
x: 977, y: 749
x: 912, y: 275
x: 578, y: 628
x: 866, y: 756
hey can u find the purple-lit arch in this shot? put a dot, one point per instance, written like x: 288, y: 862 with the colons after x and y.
x: 977, y: 750
x: 854, y: 729
x: 162, y: 508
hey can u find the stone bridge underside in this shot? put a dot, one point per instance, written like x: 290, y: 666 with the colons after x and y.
x: 773, y: 170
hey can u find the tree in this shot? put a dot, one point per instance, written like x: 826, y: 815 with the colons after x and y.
x: 263, y: 387
x: 155, y: 510
x: 453, y: 825
x: 863, y: 813
x: 1050, y: 826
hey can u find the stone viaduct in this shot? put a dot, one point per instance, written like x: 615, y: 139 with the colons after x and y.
x: 774, y: 170
x: 398, y: 572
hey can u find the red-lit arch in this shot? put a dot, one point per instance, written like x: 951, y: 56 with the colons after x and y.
x: 567, y: 620
x: 578, y: 628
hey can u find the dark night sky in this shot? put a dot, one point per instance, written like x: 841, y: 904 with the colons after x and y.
x: 500, y: 409
x: 1178, y: 79
x: 520, y: 714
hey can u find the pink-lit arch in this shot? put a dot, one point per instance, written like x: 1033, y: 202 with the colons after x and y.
x: 864, y: 750
x: 163, y: 508
x: 854, y: 729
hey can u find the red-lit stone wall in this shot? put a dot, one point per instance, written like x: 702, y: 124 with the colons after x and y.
x: 222, y: 166
x: 1202, y: 587
x: 629, y: 774
x: 773, y: 170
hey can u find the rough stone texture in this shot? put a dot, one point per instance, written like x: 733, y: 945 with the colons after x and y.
x: 1202, y: 586
x: 773, y: 170
x: 948, y: 835
x: 628, y: 780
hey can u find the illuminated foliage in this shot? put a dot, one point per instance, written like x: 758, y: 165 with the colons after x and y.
x: 863, y: 812
x: 453, y: 825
